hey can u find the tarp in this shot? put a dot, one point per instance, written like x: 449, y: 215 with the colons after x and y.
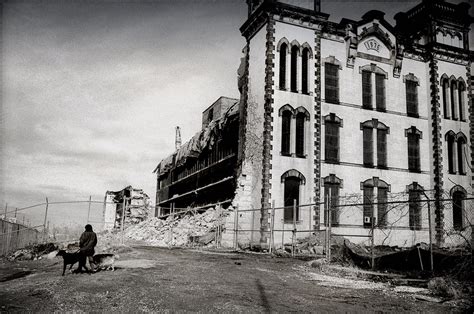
x: 191, y: 148
x: 204, y: 139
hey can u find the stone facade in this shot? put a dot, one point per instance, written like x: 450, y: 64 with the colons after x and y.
x: 371, y: 51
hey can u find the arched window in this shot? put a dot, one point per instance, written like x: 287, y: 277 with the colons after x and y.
x: 332, y: 184
x: 454, y: 108
x: 414, y: 205
x: 332, y: 123
x: 411, y: 86
x: 299, y: 149
x: 286, y: 132
x: 283, y: 53
x: 461, y: 145
x: 331, y: 79
x: 292, y: 180
x: 367, y: 92
x: 369, y: 187
x: 458, y: 195
x: 294, y: 70
x: 450, y: 141
x: 304, y: 71
x: 445, y: 90
x: 368, y: 142
x: 461, y: 91
x: 413, y: 135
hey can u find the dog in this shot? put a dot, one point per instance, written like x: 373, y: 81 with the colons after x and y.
x: 69, y: 259
x: 104, y: 261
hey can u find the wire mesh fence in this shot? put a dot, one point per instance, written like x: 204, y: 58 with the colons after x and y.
x: 394, y: 219
x: 59, y: 221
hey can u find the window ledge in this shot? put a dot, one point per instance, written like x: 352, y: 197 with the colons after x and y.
x: 415, y: 170
x: 381, y: 109
x: 300, y: 156
x: 369, y: 166
x: 413, y: 115
x: 332, y: 101
x: 285, y: 154
x: 382, y: 167
x: 367, y: 108
x: 336, y: 162
x: 290, y: 222
x: 452, y: 172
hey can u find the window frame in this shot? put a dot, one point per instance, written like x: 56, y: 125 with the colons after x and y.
x: 331, y: 83
x: 411, y: 90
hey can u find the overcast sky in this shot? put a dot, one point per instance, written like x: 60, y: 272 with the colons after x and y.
x: 92, y: 90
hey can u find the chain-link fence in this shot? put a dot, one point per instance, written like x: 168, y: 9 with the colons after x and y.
x: 49, y: 221
x: 387, y: 219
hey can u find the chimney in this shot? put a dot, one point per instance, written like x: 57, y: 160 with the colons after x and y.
x: 317, y: 5
x: 177, y: 141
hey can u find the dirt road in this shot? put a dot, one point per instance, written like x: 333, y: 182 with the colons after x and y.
x: 157, y: 279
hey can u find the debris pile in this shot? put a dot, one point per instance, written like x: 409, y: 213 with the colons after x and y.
x: 32, y: 252
x: 179, y: 231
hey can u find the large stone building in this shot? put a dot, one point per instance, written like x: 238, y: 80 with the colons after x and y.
x: 356, y: 107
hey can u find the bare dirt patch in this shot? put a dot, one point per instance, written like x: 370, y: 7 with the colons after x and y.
x: 163, y: 280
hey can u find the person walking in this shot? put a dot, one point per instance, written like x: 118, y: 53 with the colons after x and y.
x: 87, y: 243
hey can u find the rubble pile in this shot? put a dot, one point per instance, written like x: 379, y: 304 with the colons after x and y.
x: 179, y: 230
x: 32, y: 252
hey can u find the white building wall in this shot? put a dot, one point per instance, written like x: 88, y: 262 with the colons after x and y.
x: 249, y: 184
x: 281, y: 164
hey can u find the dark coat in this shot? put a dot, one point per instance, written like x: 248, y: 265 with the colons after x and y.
x: 87, y: 243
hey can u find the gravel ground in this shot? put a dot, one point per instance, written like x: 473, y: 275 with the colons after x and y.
x: 150, y: 279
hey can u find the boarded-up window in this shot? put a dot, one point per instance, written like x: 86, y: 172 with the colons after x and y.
x: 299, y: 149
x: 382, y: 148
x: 304, y: 71
x: 414, y: 209
x: 413, y: 151
x: 382, y: 206
x: 331, y: 193
x: 331, y: 83
x: 283, y: 52
x: 292, y: 193
x: 412, y: 98
x: 331, y: 141
x: 285, y: 133
x: 368, y: 147
x: 380, y: 91
x: 458, y: 198
x: 366, y: 90
x: 294, y: 71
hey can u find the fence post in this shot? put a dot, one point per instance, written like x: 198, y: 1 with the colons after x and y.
x: 171, y: 224
x: 236, y: 227
x: 430, y: 235
x: 272, y: 221
x: 325, y: 205
x: 124, y: 202
x: 329, y: 227
x: 283, y: 231
x: 293, y: 237
x: 89, y: 210
x: 372, y: 257
x: 45, y: 218
x: 251, y: 228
